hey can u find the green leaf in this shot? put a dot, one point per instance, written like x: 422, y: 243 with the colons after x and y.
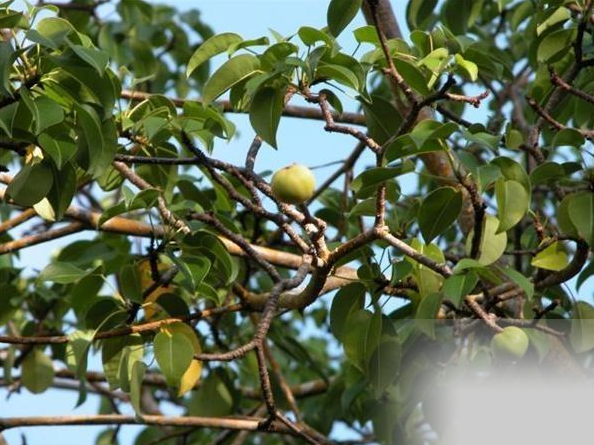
x: 581, y: 213
x: 513, y: 171
x: 108, y: 436
x: 553, y: 257
x: 492, y: 244
x: 459, y: 15
x: 555, y: 45
x: 341, y: 13
x: 105, y: 313
x: 384, y: 364
x: 50, y: 113
x: 214, y: 396
x: 512, y: 203
x: 138, y: 370
x: 58, y: 144
x: 418, y: 12
x: 174, y: 353
x: 483, y: 139
x: 366, y: 34
x: 547, y: 173
x: 581, y: 335
x: 265, y: 113
x: 373, y: 177
x: 118, y: 356
x: 173, y: 304
x: 277, y: 53
x: 436, y: 62
x: 427, y: 136
x: 129, y: 280
x: 513, y: 138
x: 381, y: 118
x: 54, y: 31
x: 458, y: 286
x: 7, y: 116
x: 333, y: 100
x: 60, y: 196
x: 563, y: 217
x: 487, y: 174
x: 467, y: 263
x: 10, y: 18
x: 438, y: 211
x: 261, y: 41
x: 349, y: 299
x: 37, y: 372
x: 61, y: 272
x: 466, y: 67
x: 230, y: 73
x: 362, y: 336
x: 111, y: 355
x: 31, y: 184
x: 339, y: 73
x: 568, y: 137
x: 539, y: 341
x: 29, y: 103
x: 427, y: 280
x: 194, y: 268
x: 558, y: 15
x: 584, y: 275
x: 77, y: 351
x: 526, y: 285
x: 130, y: 355
x: 366, y: 207
x: 400, y: 269
x: 211, y: 47
x: 202, y: 243
x: 427, y: 313
x: 90, y: 124
x: 413, y: 76
x: 310, y: 35
x: 97, y: 59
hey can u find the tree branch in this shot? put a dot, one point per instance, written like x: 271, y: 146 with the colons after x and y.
x: 233, y: 423
x: 288, y: 111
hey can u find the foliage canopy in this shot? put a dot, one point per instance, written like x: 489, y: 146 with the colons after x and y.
x: 236, y: 303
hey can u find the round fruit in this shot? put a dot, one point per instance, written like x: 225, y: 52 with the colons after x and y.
x: 293, y: 184
x: 510, y: 344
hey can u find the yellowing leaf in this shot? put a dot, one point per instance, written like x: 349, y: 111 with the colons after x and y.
x: 33, y: 155
x: 553, y: 257
x: 146, y: 280
x: 190, y: 378
x: 492, y: 244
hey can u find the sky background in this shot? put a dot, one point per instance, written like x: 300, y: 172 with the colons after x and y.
x: 302, y: 141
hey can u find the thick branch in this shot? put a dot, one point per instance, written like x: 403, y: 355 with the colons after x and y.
x: 233, y: 423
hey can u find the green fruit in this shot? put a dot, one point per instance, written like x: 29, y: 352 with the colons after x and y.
x: 293, y: 184
x: 510, y: 344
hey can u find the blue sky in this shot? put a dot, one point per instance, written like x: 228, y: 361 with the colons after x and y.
x: 302, y: 141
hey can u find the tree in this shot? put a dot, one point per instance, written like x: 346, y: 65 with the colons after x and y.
x: 100, y: 132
